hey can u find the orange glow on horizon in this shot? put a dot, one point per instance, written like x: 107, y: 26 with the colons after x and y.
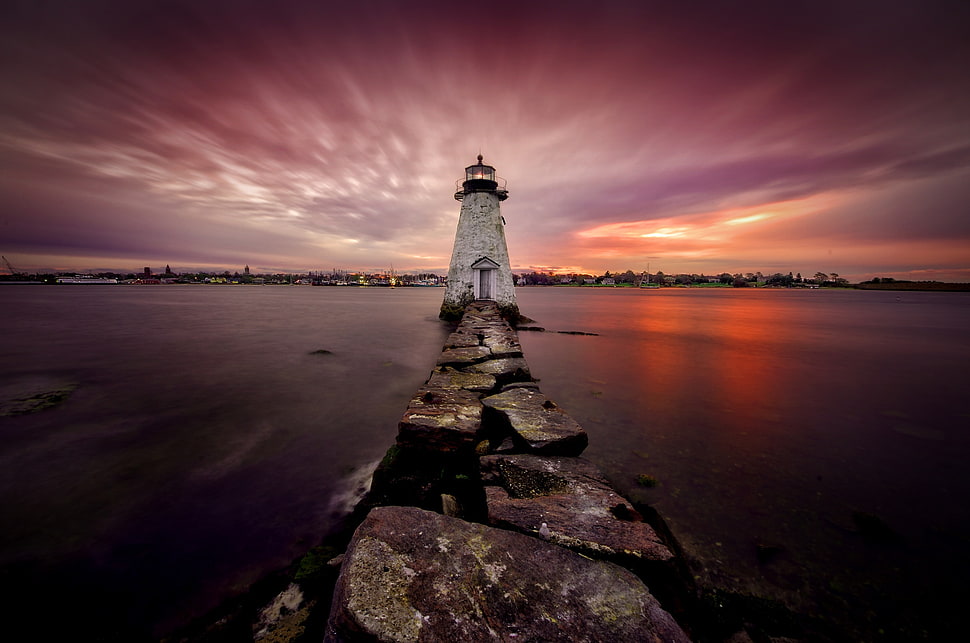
x: 750, y: 219
x: 709, y: 225
x: 667, y: 232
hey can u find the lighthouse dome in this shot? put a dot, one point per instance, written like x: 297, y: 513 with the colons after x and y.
x: 480, y: 178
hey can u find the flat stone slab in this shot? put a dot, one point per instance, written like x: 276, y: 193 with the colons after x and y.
x: 510, y: 369
x: 511, y: 385
x: 462, y: 340
x: 504, y: 344
x: 439, y: 419
x: 414, y: 575
x: 575, y: 501
x: 451, y: 378
x: 537, y: 424
x: 485, y: 333
x: 463, y: 356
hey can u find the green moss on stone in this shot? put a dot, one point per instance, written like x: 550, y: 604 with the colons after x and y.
x: 451, y: 312
x: 510, y: 313
x: 391, y: 456
x: 647, y: 481
x: 314, y: 563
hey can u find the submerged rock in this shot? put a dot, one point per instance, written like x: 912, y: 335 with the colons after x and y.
x: 32, y: 395
x: 414, y: 575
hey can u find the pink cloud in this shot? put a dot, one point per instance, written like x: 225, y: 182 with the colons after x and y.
x: 295, y: 134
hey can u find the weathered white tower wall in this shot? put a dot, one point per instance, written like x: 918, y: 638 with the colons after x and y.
x: 480, y: 267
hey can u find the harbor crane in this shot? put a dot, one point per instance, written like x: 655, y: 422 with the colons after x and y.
x: 11, y: 269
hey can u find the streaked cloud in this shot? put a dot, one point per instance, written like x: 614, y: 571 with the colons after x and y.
x: 307, y: 135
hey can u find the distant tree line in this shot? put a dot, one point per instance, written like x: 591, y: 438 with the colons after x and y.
x: 333, y: 277
x: 631, y: 278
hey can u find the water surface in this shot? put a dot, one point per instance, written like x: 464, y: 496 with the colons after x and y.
x: 204, y: 444
x: 781, y: 424
x: 204, y: 441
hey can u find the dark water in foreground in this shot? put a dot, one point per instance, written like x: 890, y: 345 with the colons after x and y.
x: 204, y: 445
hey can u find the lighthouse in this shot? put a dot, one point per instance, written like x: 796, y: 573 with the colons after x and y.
x: 480, y: 259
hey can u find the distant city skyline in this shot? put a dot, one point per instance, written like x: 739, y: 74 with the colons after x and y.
x: 247, y: 270
x: 302, y: 135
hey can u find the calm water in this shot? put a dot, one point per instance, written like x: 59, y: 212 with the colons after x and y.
x: 204, y: 443
x: 772, y: 418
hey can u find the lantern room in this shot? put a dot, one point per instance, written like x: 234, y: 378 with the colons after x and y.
x: 480, y: 178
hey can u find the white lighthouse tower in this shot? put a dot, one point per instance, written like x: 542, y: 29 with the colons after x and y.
x: 480, y: 260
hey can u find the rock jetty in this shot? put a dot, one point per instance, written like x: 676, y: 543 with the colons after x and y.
x: 484, y: 523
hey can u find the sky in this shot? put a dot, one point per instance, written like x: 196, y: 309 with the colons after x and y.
x: 300, y: 135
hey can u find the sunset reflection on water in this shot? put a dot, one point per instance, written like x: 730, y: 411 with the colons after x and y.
x: 775, y: 417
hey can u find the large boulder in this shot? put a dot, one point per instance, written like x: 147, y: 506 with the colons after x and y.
x: 571, y: 503
x: 535, y: 423
x: 414, y: 575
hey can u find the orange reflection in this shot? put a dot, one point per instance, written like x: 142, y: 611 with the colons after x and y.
x: 744, y: 364
x: 713, y: 348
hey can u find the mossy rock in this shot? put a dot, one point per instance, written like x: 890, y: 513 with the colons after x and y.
x: 451, y: 312
x: 647, y: 481
x: 510, y: 313
x: 313, y: 565
x: 390, y: 456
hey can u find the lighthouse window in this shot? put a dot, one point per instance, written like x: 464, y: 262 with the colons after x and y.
x: 480, y: 172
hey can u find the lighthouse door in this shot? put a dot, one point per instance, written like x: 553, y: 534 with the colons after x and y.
x: 483, y: 278
x: 485, y: 283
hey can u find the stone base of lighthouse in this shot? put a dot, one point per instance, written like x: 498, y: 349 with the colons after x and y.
x: 480, y: 266
x: 454, y: 312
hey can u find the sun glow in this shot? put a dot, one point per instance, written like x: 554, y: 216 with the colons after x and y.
x: 750, y: 218
x: 707, y: 225
x: 667, y: 232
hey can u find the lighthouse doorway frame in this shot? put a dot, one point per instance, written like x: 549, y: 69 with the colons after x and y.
x: 484, y: 278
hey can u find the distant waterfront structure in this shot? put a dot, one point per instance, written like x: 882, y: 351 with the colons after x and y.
x: 480, y: 266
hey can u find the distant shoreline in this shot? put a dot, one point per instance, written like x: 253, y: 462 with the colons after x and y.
x: 912, y: 286
x: 938, y: 286
x: 916, y: 285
